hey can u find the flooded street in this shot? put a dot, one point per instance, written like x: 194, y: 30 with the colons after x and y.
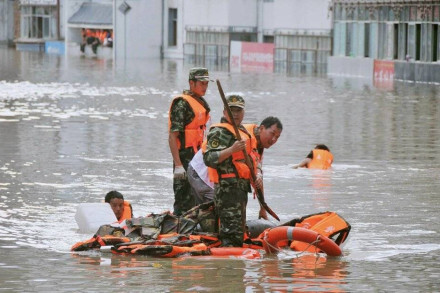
x: 73, y: 129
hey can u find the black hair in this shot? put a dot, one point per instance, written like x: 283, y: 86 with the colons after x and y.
x: 113, y: 194
x: 269, y: 121
x: 322, y: 147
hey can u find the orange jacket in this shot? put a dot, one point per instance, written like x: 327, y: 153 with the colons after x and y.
x: 195, y: 130
x: 322, y: 159
x: 90, y: 33
x: 128, y: 212
x: 251, y: 129
x: 238, y: 160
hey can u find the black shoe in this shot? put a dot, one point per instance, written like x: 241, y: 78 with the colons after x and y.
x: 82, y: 47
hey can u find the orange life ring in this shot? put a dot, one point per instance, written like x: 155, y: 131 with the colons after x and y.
x: 278, y: 237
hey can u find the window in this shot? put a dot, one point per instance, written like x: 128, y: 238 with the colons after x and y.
x: 434, y: 42
x: 418, y: 40
x: 38, y: 22
x: 367, y: 40
x: 172, y: 27
x: 395, y: 40
x: 348, y: 39
x: 268, y: 39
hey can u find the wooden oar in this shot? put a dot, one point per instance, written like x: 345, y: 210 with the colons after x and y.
x: 260, y: 195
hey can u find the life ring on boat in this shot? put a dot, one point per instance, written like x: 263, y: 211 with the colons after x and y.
x: 275, y: 238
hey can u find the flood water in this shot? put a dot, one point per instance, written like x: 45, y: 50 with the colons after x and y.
x: 72, y: 129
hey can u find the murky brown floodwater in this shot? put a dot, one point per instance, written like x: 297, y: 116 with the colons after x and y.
x: 73, y: 129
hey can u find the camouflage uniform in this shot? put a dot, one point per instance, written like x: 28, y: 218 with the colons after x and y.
x: 230, y: 193
x: 181, y: 114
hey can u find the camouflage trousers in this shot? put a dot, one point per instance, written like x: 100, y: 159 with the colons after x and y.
x: 230, y: 204
x: 183, y: 197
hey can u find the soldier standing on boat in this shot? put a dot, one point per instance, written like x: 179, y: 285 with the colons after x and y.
x: 231, y: 176
x: 188, y: 115
x: 266, y: 135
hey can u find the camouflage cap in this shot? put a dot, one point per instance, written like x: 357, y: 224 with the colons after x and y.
x: 199, y: 73
x: 235, y: 101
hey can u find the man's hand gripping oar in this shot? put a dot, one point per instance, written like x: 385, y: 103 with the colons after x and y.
x: 260, y: 195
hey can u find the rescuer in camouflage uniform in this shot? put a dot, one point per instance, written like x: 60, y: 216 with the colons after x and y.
x: 230, y: 197
x: 181, y: 114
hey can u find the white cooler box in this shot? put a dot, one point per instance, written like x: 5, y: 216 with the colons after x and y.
x: 90, y: 216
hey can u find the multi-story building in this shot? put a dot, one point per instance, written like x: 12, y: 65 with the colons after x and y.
x: 403, y: 35
x: 199, y: 31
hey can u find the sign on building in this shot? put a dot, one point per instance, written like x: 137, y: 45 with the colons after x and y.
x: 383, y: 74
x: 251, y: 57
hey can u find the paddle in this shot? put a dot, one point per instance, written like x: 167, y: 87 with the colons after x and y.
x: 260, y: 195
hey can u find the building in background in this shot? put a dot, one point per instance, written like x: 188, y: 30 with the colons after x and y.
x: 386, y: 40
x: 139, y: 28
x: 37, y: 21
x: 300, y: 31
x: 7, y: 21
x: 95, y: 18
x: 200, y: 32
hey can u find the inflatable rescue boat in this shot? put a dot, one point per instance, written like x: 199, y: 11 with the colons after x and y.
x: 165, y: 235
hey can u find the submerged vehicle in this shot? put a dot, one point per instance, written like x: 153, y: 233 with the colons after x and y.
x: 166, y: 235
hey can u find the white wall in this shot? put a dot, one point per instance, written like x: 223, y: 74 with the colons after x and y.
x: 220, y: 12
x: 143, y: 30
x: 347, y: 66
x: 138, y: 33
x: 301, y: 14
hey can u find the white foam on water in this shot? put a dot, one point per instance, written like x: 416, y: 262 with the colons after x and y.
x: 34, y: 91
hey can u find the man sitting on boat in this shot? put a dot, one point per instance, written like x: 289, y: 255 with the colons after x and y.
x: 120, y: 207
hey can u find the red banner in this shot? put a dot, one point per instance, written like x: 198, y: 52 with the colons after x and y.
x: 251, y: 57
x: 383, y: 74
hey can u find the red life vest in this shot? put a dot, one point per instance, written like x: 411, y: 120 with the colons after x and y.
x: 322, y: 159
x: 195, y: 130
x: 238, y: 160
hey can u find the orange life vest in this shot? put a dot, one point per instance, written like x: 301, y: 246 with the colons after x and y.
x: 100, y: 35
x: 128, y: 213
x: 322, y: 159
x: 195, y: 130
x: 251, y: 129
x: 238, y: 160
x: 90, y: 33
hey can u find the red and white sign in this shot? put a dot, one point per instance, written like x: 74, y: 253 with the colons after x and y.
x: 383, y: 74
x: 251, y: 57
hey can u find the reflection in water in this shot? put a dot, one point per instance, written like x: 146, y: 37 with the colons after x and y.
x: 304, y: 272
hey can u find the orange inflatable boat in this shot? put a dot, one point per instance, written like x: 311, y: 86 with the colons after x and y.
x: 165, y: 235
